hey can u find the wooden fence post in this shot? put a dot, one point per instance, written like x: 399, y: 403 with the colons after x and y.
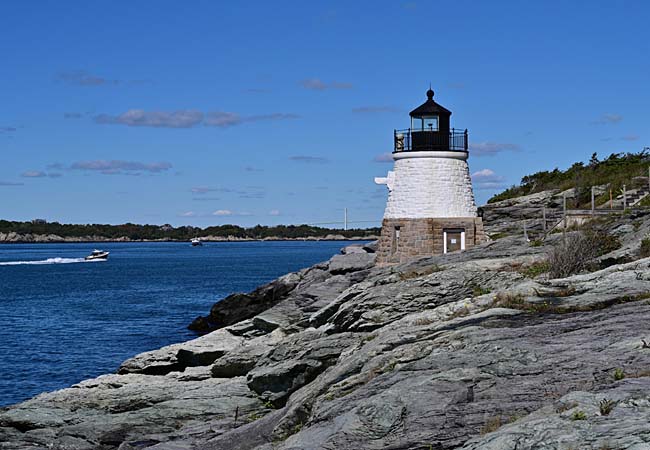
x: 564, y: 218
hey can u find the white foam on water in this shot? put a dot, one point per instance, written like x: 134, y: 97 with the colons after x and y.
x: 50, y: 261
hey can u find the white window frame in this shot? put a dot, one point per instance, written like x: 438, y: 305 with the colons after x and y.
x: 444, y: 240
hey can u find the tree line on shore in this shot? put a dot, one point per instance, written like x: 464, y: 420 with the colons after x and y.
x: 157, y: 232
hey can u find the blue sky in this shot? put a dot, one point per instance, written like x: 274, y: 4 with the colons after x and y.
x: 206, y: 112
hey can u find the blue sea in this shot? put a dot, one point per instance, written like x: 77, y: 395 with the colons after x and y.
x: 63, y: 319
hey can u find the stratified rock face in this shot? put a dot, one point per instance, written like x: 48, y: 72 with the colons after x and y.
x: 455, y: 351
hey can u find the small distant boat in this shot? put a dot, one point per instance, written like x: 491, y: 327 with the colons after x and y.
x: 196, y: 242
x: 97, y: 254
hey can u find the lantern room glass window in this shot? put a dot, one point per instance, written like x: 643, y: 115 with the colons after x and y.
x: 431, y: 123
x: 426, y: 123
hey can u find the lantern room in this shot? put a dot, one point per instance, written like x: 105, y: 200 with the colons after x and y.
x: 430, y: 130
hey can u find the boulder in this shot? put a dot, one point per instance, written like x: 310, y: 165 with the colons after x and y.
x: 342, y: 264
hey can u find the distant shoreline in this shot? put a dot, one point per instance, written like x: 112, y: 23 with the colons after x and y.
x: 61, y: 240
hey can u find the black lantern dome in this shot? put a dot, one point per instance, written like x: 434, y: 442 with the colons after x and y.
x: 430, y: 130
x: 430, y: 107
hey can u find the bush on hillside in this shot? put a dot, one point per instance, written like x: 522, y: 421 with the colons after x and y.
x: 616, y: 170
x: 577, y: 251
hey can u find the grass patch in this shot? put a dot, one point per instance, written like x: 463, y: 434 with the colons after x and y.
x: 390, y: 367
x: 496, y: 422
x: 254, y: 416
x: 477, y: 290
x: 460, y: 312
x: 606, y: 406
x: 423, y: 321
x: 369, y: 338
x: 535, y: 269
x: 417, y: 273
x: 565, y: 407
x: 492, y: 424
x: 518, y: 301
x: 619, y: 374
x: 579, y: 415
x: 560, y: 293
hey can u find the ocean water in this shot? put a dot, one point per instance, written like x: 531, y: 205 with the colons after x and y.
x: 63, y: 320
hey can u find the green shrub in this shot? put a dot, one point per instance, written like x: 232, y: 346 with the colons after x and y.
x: 535, y: 269
x: 606, y: 406
x: 615, y: 170
x: 477, y: 290
x: 578, y: 415
x: 619, y: 374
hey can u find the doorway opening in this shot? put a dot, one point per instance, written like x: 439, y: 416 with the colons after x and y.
x: 453, y: 239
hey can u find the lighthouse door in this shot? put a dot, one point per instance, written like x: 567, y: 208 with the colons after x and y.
x: 454, y: 240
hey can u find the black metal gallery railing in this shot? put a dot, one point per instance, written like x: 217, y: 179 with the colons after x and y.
x: 423, y: 140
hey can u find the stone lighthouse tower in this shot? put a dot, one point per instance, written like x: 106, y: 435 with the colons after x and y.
x: 431, y: 208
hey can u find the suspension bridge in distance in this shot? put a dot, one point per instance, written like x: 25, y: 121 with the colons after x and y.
x: 346, y: 223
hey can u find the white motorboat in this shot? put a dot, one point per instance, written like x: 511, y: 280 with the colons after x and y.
x: 97, y: 254
x: 196, y: 242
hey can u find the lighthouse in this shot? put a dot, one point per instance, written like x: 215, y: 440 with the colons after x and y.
x: 431, y: 208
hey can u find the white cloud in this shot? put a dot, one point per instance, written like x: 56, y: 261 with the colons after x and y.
x: 274, y: 212
x: 186, y: 118
x: 484, y: 173
x: 309, y: 159
x: 491, y: 148
x: 205, y: 190
x: 487, y: 179
x: 40, y: 174
x: 375, y: 109
x: 33, y: 174
x: 188, y: 214
x: 222, y: 119
x: 318, y: 85
x: 223, y: 212
x: 608, y: 119
x: 159, y: 119
x: 383, y: 158
x: 114, y: 167
x: 83, y: 78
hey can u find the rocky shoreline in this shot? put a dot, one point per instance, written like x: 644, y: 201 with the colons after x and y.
x: 15, y: 238
x: 471, y: 350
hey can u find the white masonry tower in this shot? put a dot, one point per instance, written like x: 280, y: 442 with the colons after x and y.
x: 431, y: 208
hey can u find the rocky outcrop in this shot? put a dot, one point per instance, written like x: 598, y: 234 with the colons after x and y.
x: 469, y: 350
x: 13, y: 237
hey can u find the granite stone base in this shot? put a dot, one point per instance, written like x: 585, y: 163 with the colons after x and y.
x: 403, y: 240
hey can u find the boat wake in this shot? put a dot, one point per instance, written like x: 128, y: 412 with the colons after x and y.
x: 50, y: 261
